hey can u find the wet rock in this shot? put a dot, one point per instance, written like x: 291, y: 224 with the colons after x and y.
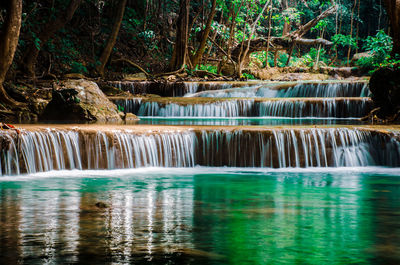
x: 80, y: 100
x: 101, y: 205
x: 130, y: 117
x: 38, y: 106
x: 110, y: 90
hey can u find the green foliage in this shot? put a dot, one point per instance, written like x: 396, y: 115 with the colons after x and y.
x: 247, y: 76
x: 310, y: 57
x: 209, y: 68
x: 120, y: 108
x: 77, y: 67
x: 282, y: 59
x: 379, y: 45
x: 340, y: 40
x: 321, y: 25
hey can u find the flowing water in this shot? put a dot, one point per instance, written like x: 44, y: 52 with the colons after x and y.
x: 202, y: 216
x: 46, y: 150
x: 228, y: 108
x: 303, y: 182
x: 291, y: 90
x: 240, y: 121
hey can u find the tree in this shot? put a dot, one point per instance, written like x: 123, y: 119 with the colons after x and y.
x: 8, y: 44
x: 393, y: 11
x: 200, y: 51
x: 49, y: 29
x: 179, y: 56
x: 105, y: 55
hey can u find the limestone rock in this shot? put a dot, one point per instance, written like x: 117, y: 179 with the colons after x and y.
x: 80, y: 100
x: 136, y: 77
x: 130, y: 117
x: 74, y: 76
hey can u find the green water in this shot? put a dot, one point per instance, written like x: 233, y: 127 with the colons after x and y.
x: 202, y: 216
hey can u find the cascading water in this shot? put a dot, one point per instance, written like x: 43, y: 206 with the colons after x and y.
x: 337, y: 89
x: 193, y: 87
x: 298, y: 148
x: 326, y: 90
x: 298, y: 108
x: 232, y: 108
x: 36, y: 151
x: 40, y: 151
x: 332, y: 108
x: 130, y: 105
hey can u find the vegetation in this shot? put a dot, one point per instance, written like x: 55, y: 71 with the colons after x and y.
x: 222, y: 37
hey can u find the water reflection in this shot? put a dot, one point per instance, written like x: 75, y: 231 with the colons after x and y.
x: 202, y: 216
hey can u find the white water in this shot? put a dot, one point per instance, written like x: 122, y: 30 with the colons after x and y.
x: 49, y: 150
x: 328, y: 108
x: 232, y: 108
x: 345, y: 89
x: 146, y: 172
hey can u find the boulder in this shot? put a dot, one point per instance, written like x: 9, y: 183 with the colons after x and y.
x: 130, y: 117
x: 80, y: 100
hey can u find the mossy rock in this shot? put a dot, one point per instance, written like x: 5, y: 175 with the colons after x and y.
x: 80, y: 100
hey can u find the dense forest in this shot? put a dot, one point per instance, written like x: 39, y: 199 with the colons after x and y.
x: 49, y: 39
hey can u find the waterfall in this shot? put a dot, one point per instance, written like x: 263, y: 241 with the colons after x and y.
x: 325, y: 90
x: 38, y: 151
x: 293, y: 108
x: 331, y: 107
x: 45, y: 150
x: 336, y: 147
x: 131, y: 105
x: 282, y: 90
x: 191, y: 88
x: 231, y: 108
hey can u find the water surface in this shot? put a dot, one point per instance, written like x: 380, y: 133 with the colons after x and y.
x: 202, y: 216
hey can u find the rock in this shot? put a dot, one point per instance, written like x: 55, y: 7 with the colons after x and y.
x: 38, y: 106
x: 80, y: 100
x: 130, y: 117
x: 136, y: 77
x: 74, y: 76
x: 110, y: 90
x: 101, y: 205
x: 171, y: 78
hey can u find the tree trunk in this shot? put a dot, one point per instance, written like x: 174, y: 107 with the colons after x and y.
x: 242, y: 56
x: 49, y: 29
x: 393, y: 11
x: 286, y: 23
x: 105, y: 55
x: 178, y: 60
x: 9, y: 35
x: 200, y: 51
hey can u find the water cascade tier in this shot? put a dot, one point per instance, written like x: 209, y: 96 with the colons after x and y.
x: 292, y: 90
x: 244, y: 89
x: 247, y: 107
x: 38, y: 149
